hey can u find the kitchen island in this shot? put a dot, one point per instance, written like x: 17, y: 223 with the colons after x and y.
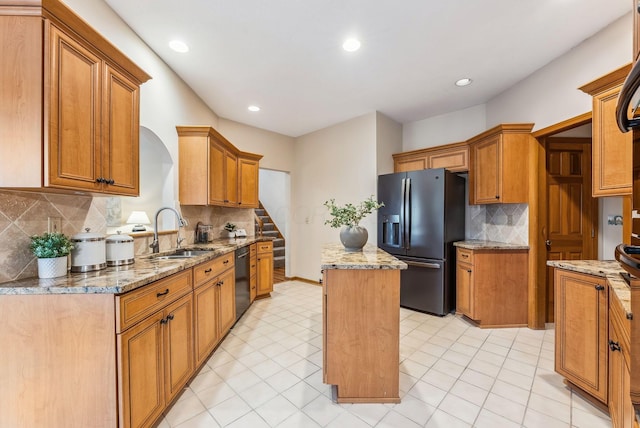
x: 361, y: 324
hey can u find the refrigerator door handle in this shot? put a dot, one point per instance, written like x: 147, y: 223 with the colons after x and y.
x: 407, y: 219
x: 422, y: 264
x: 402, y: 213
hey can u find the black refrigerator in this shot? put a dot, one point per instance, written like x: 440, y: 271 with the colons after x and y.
x: 423, y: 215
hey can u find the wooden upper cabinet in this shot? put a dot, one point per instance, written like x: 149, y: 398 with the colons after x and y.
x: 611, y: 149
x: 454, y: 157
x: 248, y: 173
x: 213, y: 171
x: 88, y: 94
x: 499, y: 165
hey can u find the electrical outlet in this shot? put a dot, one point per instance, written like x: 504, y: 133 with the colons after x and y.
x: 54, y: 225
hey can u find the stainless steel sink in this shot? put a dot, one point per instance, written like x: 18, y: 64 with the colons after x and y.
x: 183, y: 254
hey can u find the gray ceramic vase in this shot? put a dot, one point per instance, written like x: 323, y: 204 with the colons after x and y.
x: 353, y: 238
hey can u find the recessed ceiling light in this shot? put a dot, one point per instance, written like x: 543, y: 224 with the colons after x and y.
x: 351, y: 45
x: 464, y: 82
x: 178, y: 46
x: 253, y: 108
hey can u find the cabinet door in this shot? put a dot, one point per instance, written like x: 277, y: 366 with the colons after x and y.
x: 620, y: 407
x: 265, y: 273
x: 231, y: 179
x: 217, y: 184
x: 205, y: 301
x: 411, y: 164
x: 178, y: 351
x: 248, y: 183
x: 581, y: 317
x: 487, y: 167
x: 612, y: 169
x: 464, y: 281
x: 74, y: 159
x: 253, y: 287
x: 227, y: 299
x: 141, y: 378
x: 120, y: 134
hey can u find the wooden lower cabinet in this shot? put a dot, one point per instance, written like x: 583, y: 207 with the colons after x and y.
x: 581, y: 331
x: 156, y: 359
x: 264, y: 269
x: 360, y: 330
x: 253, y: 272
x: 620, y: 406
x: 491, y: 286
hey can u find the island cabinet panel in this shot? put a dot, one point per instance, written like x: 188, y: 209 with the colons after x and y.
x: 581, y: 325
x: 72, y: 102
x: 51, y: 345
x: 361, y: 334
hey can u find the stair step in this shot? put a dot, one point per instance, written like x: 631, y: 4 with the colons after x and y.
x: 268, y: 226
x: 278, y: 262
x: 278, y: 242
x: 260, y: 211
x: 272, y: 233
x: 278, y: 251
x: 264, y: 218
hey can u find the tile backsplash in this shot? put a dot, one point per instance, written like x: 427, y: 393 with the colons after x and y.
x: 23, y: 214
x: 500, y: 222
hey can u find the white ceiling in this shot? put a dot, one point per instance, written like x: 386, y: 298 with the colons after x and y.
x: 286, y: 57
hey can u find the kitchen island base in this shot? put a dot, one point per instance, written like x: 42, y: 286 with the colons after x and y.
x: 361, y: 322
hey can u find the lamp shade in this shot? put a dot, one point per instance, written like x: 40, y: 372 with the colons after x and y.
x: 138, y: 219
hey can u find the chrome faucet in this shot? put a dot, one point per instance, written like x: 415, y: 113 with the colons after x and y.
x: 155, y: 245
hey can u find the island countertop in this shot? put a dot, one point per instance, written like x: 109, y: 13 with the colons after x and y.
x: 476, y: 244
x: 122, y: 279
x: 334, y: 256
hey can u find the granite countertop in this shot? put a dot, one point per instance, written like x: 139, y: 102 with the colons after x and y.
x: 334, y: 256
x: 609, y: 269
x: 121, y: 279
x: 475, y: 244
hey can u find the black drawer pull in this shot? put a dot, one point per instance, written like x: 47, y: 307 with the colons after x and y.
x: 208, y: 270
x: 164, y: 293
x: 614, y: 346
x: 163, y: 321
x: 225, y: 262
x: 169, y: 317
x: 599, y: 287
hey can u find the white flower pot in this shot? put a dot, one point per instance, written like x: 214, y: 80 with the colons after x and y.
x: 51, y: 268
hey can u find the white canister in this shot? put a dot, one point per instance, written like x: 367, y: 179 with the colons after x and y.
x: 89, y: 252
x: 119, y: 250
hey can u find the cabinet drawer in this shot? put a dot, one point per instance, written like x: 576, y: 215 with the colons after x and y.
x: 465, y: 256
x: 265, y: 247
x: 253, y: 250
x: 135, y: 306
x: 208, y: 270
x: 618, y: 318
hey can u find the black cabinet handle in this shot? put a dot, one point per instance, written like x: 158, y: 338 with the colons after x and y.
x: 169, y: 317
x: 469, y: 270
x: 225, y: 262
x: 497, y: 196
x: 614, y: 346
x: 320, y: 281
x: 599, y: 287
x: 208, y: 270
x: 100, y: 180
x: 111, y: 181
x: 164, y: 293
x: 163, y: 321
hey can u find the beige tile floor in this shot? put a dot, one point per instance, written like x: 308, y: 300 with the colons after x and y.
x: 267, y: 373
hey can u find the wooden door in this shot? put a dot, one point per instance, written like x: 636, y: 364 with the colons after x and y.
x: 487, y: 179
x: 120, y: 141
x: 231, y: 179
x: 178, y: 350
x: 248, y: 183
x: 581, y: 318
x: 227, y: 299
x: 141, y: 379
x: 217, y: 162
x: 205, y: 301
x: 74, y: 116
x: 464, y: 283
x: 570, y: 230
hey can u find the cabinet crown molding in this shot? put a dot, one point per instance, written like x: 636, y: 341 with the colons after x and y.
x: 606, y: 82
x: 504, y: 128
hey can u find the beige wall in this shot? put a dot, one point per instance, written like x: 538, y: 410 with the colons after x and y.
x: 388, y: 142
x: 335, y: 162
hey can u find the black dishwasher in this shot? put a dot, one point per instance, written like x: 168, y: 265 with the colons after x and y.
x: 243, y: 299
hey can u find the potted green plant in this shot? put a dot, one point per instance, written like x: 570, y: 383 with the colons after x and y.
x: 348, y: 217
x: 52, y: 250
x: 231, y: 229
